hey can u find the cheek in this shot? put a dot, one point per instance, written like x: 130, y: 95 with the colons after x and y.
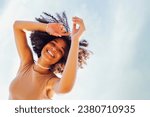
x: 42, y: 52
x: 59, y: 56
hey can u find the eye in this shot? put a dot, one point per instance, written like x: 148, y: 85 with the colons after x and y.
x: 53, y: 44
x: 60, y: 51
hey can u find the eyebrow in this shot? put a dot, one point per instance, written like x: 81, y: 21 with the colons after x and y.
x: 61, y: 47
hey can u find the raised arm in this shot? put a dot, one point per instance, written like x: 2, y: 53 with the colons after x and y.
x: 69, y: 75
x: 23, y: 48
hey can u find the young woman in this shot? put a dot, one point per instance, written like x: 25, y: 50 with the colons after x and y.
x: 58, y: 51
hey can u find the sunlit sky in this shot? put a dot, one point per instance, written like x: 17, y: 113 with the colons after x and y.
x: 118, y: 32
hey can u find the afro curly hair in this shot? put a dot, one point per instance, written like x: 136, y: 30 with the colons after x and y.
x: 39, y: 39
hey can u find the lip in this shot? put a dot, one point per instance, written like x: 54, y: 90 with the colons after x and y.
x: 50, y: 53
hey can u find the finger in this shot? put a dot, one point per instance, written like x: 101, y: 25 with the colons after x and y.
x: 62, y: 28
x: 56, y: 34
x: 77, y: 18
x: 65, y: 34
x: 80, y: 23
x: 74, y: 25
x: 77, y: 23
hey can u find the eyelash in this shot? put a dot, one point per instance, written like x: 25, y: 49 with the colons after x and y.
x: 52, y: 44
x: 60, y: 51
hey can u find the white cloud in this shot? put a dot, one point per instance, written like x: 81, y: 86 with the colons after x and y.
x: 112, y: 36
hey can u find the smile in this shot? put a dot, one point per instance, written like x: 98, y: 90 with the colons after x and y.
x: 51, y: 53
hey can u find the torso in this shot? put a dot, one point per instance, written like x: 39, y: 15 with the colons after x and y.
x: 30, y: 85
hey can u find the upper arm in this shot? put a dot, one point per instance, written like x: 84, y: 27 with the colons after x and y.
x: 54, y: 85
x: 23, y: 48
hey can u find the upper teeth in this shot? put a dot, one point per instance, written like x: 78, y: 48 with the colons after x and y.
x: 50, y: 53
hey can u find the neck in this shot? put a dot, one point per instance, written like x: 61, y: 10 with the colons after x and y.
x: 39, y: 65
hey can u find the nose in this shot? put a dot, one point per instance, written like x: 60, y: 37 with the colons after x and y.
x: 54, y: 49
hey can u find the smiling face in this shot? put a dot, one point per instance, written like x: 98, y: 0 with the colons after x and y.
x: 53, y: 51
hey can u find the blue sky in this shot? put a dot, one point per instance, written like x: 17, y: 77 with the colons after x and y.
x: 118, y: 32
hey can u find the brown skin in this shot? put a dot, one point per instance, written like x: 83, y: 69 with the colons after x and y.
x: 52, y: 52
x: 67, y: 81
x: 56, y: 48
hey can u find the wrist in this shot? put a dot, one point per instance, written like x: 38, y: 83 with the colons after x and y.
x: 46, y: 28
x: 49, y: 28
x: 75, y: 41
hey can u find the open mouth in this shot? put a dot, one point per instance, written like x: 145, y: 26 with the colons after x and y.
x: 50, y: 53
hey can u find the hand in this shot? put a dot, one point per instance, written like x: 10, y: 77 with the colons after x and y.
x: 56, y: 29
x: 77, y: 32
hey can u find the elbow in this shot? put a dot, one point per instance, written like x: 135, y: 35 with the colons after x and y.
x: 15, y: 24
x: 65, y: 90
